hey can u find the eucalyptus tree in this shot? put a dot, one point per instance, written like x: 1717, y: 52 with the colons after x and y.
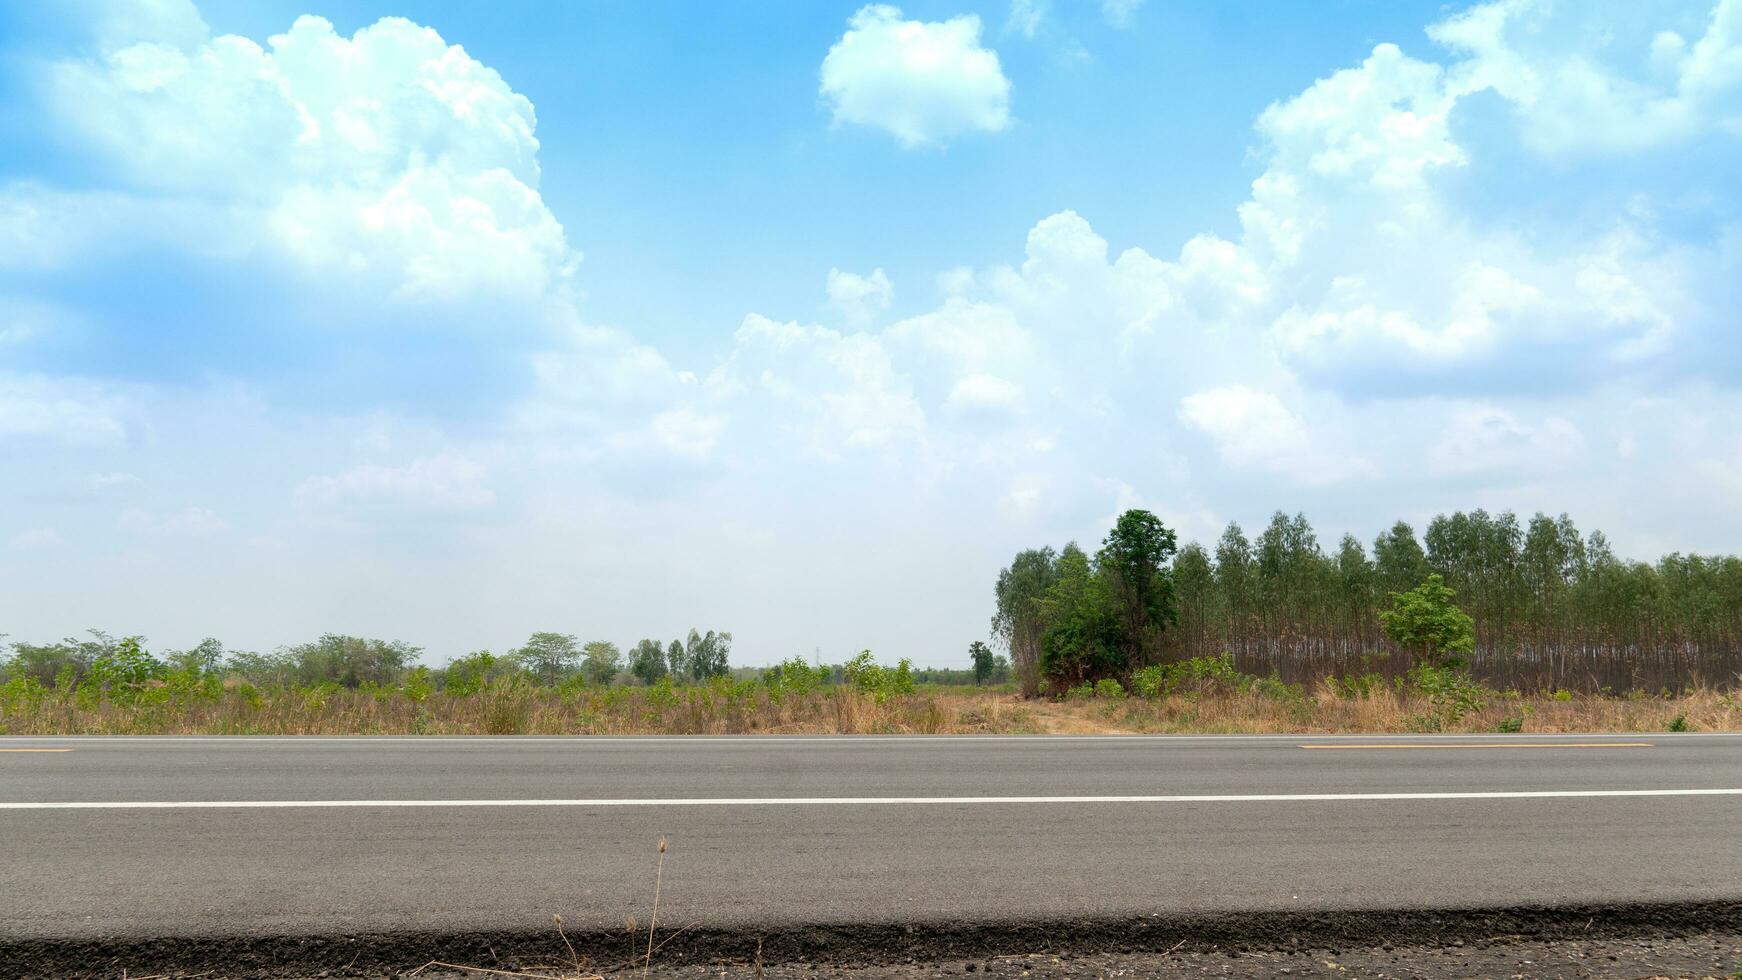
x: 1019, y: 619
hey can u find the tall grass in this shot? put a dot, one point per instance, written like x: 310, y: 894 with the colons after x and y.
x: 1212, y: 703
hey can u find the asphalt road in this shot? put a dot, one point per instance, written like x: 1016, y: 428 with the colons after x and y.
x: 99, y: 838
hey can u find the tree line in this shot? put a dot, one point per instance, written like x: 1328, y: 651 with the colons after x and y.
x: 1551, y: 607
x: 546, y: 658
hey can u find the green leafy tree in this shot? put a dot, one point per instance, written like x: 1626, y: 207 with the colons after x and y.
x: 1019, y: 621
x: 467, y: 675
x: 706, y: 654
x: 1425, y: 620
x: 984, y: 664
x: 600, y: 662
x: 548, y: 656
x: 350, y: 661
x: 1085, y: 637
x: 677, y: 661
x: 1398, y: 561
x: 1134, y: 561
x: 647, y: 662
x: 202, y: 658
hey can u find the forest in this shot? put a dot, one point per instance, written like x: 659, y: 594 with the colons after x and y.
x: 1552, y: 608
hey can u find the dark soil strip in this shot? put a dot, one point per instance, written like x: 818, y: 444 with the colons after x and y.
x: 379, y: 954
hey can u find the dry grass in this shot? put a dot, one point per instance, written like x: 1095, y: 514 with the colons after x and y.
x: 753, y: 709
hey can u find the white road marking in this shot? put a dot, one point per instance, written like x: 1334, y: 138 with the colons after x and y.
x: 857, y: 800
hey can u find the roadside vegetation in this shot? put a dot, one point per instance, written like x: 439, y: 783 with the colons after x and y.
x: 1101, y: 643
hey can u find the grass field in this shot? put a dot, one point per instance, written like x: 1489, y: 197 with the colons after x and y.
x: 750, y: 708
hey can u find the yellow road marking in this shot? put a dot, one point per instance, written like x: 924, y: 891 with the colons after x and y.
x: 1480, y: 745
x: 35, y: 750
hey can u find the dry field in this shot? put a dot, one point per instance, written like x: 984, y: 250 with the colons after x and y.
x: 737, y: 709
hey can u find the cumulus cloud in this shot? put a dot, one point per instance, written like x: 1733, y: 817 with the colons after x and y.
x: 860, y: 298
x: 1630, y: 90
x: 390, y: 155
x: 1249, y: 428
x: 924, y: 82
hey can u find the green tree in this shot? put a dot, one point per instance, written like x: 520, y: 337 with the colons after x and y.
x: 981, y: 654
x: 1425, y: 620
x: 1085, y: 638
x: 349, y: 660
x: 548, y: 656
x: 1398, y: 561
x: 600, y: 662
x: 677, y: 661
x: 1134, y: 561
x: 647, y: 662
x: 1019, y: 621
x: 706, y: 654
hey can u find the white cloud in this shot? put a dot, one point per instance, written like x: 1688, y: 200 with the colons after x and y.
x: 447, y: 482
x: 837, y: 391
x: 1582, y: 85
x: 986, y: 395
x: 1120, y: 13
x: 61, y: 410
x: 860, y: 298
x: 1487, y: 438
x: 389, y: 155
x: 1249, y: 428
x: 924, y: 82
x: 1026, y: 16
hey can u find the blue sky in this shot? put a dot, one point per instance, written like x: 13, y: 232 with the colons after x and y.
x: 797, y: 320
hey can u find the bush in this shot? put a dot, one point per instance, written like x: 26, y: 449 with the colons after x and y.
x: 1452, y: 692
x: 1150, y: 682
x: 795, y: 676
x: 1082, y: 692
x: 882, y: 683
x: 1680, y: 723
x: 1108, y: 688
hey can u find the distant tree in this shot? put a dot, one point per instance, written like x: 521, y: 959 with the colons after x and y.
x: 1426, y: 620
x: 1019, y: 621
x: 201, y: 658
x: 1398, y: 561
x: 601, y: 661
x: 677, y: 661
x: 259, y: 668
x: 706, y: 654
x: 647, y: 661
x: 548, y: 656
x: 475, y: 671
x: 1134, y: 560
x: 349, y: 660
x: 983, y: 661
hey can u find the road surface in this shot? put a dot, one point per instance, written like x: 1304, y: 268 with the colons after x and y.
x: 272, y: 836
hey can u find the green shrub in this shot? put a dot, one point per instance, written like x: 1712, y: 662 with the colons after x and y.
x: 1150, y: 682
x: 1451, y: 691
x: 1680, y: 723
x: 1511, y: 725
x: 1562, y: 695
x: 795, y: 676
x: 869, y: 677
x: 1108, y: 688
x: 1356, y: 687
x: 1082, y: 692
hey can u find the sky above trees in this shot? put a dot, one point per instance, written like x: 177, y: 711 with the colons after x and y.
x: 356, y: 316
